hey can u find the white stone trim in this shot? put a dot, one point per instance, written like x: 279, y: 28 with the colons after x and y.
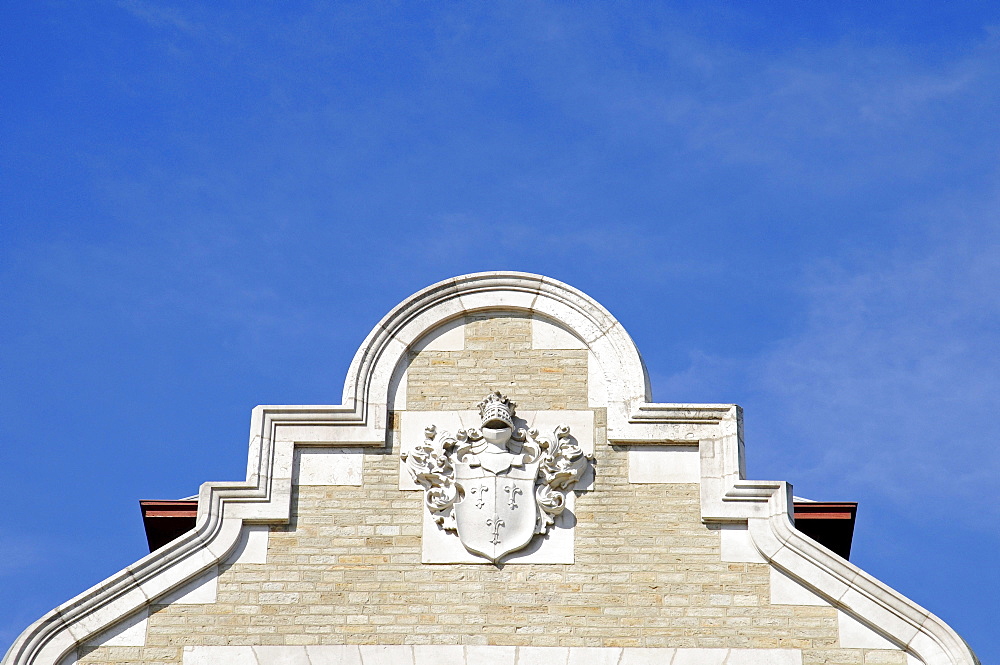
x: 129, y: 633
x: 252, y: 546
x: 476, y: 655
x: 786, y: 591
x: 547, y: 334
x: 360, y: 421
x: 855, y: 635
x: 202, y: 590
x: 726, y: 497
x: 449, y: 336
x: 664, y: 464
x: 328, y: 466
x: 373, y: 366
x: 597, y: 390
x: 736, y: 545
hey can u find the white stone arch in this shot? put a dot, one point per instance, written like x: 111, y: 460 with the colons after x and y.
x: 631, y: 416
x: 368, y: 382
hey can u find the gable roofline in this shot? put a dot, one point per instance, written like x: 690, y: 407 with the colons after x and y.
x: 361, y: 420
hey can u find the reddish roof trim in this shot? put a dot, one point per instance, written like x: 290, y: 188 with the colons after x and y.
x: 166, y: 520
x: 831, y: 524
x: 840, y: 510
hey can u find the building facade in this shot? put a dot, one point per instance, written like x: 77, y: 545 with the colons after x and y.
x: 495, y: 487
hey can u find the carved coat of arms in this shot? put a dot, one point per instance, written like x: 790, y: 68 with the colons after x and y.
x: 497, y: 486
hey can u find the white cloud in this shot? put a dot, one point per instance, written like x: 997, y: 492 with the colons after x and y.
x: 894, y: 381
x: 158, y: 16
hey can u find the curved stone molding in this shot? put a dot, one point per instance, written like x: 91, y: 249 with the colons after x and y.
x: 907, y: 625
x: 727, y: 497
x: 223, y: 510
x: 766, y: 508
x: 371, y: 371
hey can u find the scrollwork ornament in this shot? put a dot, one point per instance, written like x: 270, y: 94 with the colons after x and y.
x: 472, y: 479
x: 430, y: 466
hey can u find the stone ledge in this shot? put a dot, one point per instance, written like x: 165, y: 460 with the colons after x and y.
x: 474, y: 655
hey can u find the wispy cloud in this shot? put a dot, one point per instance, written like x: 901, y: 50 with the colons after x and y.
x: 160, y: 16
x: 825, y: 116
x: 893, y: 382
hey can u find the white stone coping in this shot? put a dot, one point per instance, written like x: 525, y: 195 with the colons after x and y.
x: 726, y: 496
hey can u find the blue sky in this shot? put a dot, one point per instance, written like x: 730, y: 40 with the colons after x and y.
x: 791, y: 207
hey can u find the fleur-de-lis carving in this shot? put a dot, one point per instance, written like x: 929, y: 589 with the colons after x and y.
x: 481, y: 490
x: 495, y: 523
x: 512, y: 491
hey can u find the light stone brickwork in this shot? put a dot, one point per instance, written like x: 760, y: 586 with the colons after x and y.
x: 497, y: 355
x: 346, y: 569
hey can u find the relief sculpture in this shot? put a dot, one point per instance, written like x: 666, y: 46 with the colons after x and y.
x: 498, y: 486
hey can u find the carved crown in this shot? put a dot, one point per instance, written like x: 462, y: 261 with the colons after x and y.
x: 497, y: 407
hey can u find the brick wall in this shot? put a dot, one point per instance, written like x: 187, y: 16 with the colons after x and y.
x: 497, y: 355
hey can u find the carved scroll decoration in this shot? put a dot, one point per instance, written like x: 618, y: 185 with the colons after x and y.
x: 478, y: 482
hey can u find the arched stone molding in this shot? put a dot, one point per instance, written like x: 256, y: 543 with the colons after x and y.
x: 631, y: 416
x: 367, y: 386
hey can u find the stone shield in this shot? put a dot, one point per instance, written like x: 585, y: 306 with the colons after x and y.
x: 497, y: 514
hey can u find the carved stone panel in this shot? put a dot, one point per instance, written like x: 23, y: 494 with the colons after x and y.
x: 498, y: 486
